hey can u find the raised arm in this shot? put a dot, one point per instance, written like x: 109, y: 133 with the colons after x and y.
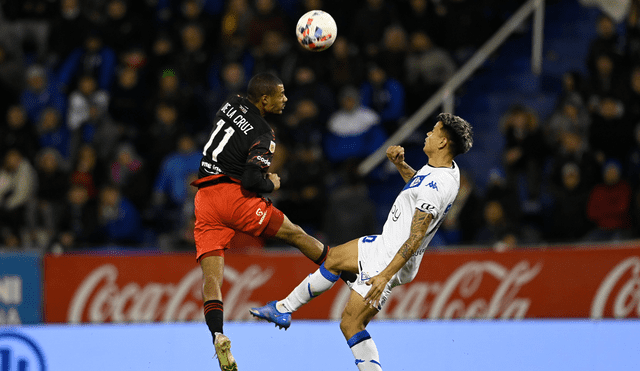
x: 395, y: 154
x: 419, y: 227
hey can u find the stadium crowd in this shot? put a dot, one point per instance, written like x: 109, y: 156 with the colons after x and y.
x: 105, y: 106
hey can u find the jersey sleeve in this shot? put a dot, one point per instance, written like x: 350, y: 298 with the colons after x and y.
x: 429, y: 197
x: 257, y: 164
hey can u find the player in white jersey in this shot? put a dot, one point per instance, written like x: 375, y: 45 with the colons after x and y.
x: 393, y: 257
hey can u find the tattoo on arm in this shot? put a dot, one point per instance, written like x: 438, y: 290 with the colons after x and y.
x: 406, y: 171
x: 419, y: 227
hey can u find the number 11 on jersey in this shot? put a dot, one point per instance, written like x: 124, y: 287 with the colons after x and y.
x: 228, y: 132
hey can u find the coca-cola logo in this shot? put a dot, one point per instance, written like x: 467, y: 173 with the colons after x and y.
x: 626, y: 301
x: 99, y: 298
x: 457, y: 296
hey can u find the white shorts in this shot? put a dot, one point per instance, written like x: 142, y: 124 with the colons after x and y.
x: 370, y: 263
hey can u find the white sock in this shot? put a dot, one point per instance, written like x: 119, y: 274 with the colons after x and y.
x: 365, y: 351
x: 313, y: 285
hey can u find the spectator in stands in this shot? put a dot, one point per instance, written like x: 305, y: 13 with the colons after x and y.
x: 53, y: 133
x: 128, y: 96
x: 463, y: 220
x: 78, y: 221
x: 524, y: 151
x: 632, y: 45
x: 53, y: 184
x: 302, y: 191
x: 632, y: 105
x: 608, y: 79
x: 18, y: 184
x: 368, y: 26
x: 611, y: 131
x: 40, y: 92
x: 11, y: 78
x: 345, y: 66
x: 419, y: 16
x: 354, y: 131
x: 171, y: 189
x: 570, y: 116
x: 92, y: 58
x: 81, y: 100
x: 162, y: 58
x: 235, y: 23
x: 609, y: 205
x: 573, y: 148
x: 307, y: 86
x: 119, y: 221
x: 428, y: 68
x: 385, y: 95
x: 393, y: 52
x: 68, y: 28
x: 122, y: 28
x: 497, y: 231
x: 498, y: 189
x: 268, y: 16
x: 16, y: 132
x: 127, y: 171
x: 275, y: 55
x: 193, y: 60
x: 350, y: 212
x: 86, y: 171
x: 162, y: 137
x: 28, y: 26
x: 606, y: 42
x: 304, y: 126
x: 569, y: 220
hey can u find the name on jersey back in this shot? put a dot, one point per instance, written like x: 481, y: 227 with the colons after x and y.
x: 236, y: 118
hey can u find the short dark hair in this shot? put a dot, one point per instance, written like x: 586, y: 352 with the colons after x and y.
x: 459, y: 132
x: 262, y: 84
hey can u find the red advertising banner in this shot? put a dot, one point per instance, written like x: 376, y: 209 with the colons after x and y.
x: 536, y: 283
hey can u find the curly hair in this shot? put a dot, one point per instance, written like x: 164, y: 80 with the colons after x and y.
x: 262, y: 84
x: 459, y: 132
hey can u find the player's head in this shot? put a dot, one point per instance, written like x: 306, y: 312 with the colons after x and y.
x: 458, y: 132
x: 266, y: 91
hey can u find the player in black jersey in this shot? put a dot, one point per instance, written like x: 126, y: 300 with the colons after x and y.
x: 233, y: 174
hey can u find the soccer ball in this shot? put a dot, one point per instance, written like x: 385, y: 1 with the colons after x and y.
x: 316, y: 30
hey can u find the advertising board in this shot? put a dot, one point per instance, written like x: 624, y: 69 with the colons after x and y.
x: 537, y: 283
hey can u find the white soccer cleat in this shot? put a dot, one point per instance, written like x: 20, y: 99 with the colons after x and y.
x: 223, y: 351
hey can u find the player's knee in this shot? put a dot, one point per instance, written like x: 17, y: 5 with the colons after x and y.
x: 350, y: 326
x: 332, y: 261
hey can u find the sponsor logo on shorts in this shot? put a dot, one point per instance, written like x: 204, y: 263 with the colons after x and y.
x: 261, y: 213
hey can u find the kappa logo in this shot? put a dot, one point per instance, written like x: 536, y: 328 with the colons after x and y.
x: 433, y: 185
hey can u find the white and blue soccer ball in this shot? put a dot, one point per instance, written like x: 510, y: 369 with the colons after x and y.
x: 316, y: 30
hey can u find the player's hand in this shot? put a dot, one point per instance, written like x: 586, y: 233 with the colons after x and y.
x: 395, y: 154
x: 377, y: 283
x: 275, y: 179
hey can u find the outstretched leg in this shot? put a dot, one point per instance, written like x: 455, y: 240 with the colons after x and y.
x: 295, y: 236
x: 355, y: 317
x: 343, y: 258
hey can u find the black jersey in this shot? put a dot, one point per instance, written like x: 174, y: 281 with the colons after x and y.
x: 241, y: 145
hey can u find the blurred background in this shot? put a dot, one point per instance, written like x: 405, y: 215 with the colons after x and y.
x: 106, y: 105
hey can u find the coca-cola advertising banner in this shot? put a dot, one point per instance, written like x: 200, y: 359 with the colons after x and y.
x: 536, y: 283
